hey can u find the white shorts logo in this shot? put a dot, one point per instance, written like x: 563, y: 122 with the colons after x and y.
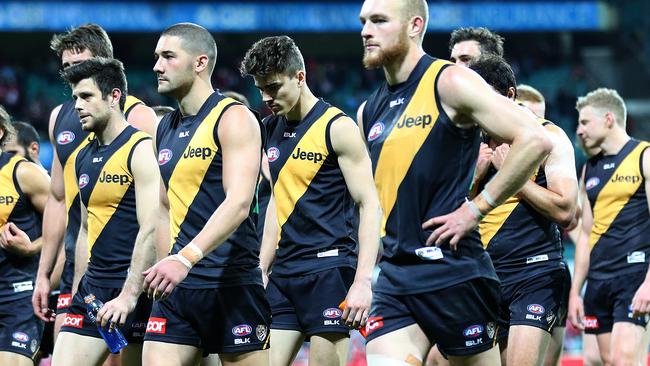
x: 23, y: 286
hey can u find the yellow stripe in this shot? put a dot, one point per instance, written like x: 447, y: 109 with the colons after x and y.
x: 401, y: 146
x: 614, y: 196
x: 492, y: 222
x: 106, y: 197
x: 296, y: 175
x: 130, y: 102
x: 188, y: 174
x: 8, y: 189
x: 69, y: 178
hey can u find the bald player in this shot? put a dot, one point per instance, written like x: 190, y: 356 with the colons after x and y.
x: 532, y: 99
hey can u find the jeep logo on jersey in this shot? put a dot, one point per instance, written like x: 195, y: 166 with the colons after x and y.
x: 7, y: 200
x: 536, y: 309
x: 65, y: 137
x: 273, y: 153
x: 83, y: 180
x: 473, y: 331
x: 75, y: 321
x: 122, y: 179
x: 157, y: 325
x: 375, y: 131
x: 197, y: 152
x: 626, y: 179
x: 332, y: 313
x: 164, y: 156
x: 21, y: 337
x: 242, y: 330
x: 592, y: 182
x: 316, y: 158
x: 419, y: 121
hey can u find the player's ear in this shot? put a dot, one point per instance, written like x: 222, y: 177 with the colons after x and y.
x: 301, y: 77
x: 201, y: 63
x: 116, y: 94
x: 610, y: 121
x: 416, y: 26
x: 512, y: 93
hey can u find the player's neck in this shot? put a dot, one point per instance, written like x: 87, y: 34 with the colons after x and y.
x: 113, y: 128
x: 400, y: 70
x: 615, y: 141
x: 305, y: 104
x: 195, y: 97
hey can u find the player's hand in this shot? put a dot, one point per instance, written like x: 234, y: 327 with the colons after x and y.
x: 265, y: 278
x: 40, y: 299
x: 483, y: 161
x: 576, y: 311
x: 16, y: 241
x: 499, y: 155
x: 115, y: 311
x: 451, y: 227
x: 356, y: 305
x: 161, y: 279
x: 641, y: 300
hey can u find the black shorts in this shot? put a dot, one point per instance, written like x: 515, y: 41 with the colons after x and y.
x: 220, y: 320
x: 564, y: 305
x: 535, y: 302
x: 461, y: 319
x: 77, y: 321
x: 20, y: 329
x: 610, y: 301
x: 47, y: 340
x: 65, y: 288
x: 310, y: 303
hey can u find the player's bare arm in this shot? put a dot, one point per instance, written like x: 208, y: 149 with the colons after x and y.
x: 467, y: 99
x: 143, y: 118
x: 581, y: 268
x: 81, y: 248
x: 357, y: 171
x: 641, y: 300
x: 163, y: 235
x: 146, y: 178
x: 270, y: 238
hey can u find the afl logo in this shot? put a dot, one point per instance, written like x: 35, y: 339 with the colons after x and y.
x: 242, y: 330
x: 473, y: 331
x: 21, y: 337
x: 65, y: 137
x: 375, y: 131
x: 332, y: 313
x: 273, y: 154
x: 83, y: 180
x: 536, y: 309
x: 592, y: 182
x: 164, y: 156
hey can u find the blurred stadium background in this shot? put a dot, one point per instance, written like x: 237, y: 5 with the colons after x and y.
x: 562, y: 48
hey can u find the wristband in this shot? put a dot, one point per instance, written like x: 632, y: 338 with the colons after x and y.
x: 488, y: 198
x: 472, y: 206
x: 192, y: 253
x: 183, y: 260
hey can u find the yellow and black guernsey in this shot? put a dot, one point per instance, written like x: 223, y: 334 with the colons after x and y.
x: 423, y: 167
x: 107, y: 189
x: 191, y: 166
x: 521, y: 242
x: 314, y: 207
x: 17, y: 272
x: 620, y: 236
x: 69, y: 139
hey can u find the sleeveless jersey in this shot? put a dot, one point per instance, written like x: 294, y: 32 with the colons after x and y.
x: 423, y: 167
x: 521, y: 242
x: 190, y: 161
x: 314, y: 207
x: 18, y: 272
x: 620, y: 236
x: 107, y: 190
x: 69, y: 139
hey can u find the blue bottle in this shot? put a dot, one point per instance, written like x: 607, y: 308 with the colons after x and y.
x: 114, y: 339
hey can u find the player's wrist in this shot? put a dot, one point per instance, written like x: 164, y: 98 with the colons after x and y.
x: 191, y: 253
x: 475, y: 210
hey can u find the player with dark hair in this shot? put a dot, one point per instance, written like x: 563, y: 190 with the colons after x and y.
x: 24, y: 142
x: 319, y: 169
x: 470, y: 44
x: 210, y: 292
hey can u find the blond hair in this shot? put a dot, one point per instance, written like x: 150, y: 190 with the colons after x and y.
x: 607, y: 100
x: 527, y: 93
x: 412, y: 8
x: 5, y: 125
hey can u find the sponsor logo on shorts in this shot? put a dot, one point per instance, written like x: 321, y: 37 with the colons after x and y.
x: 33, y: 345
x: 549, y: 317
x: 84, y: 179
x: 374, y: 323
x: 261, y: 331
x: 157, y: 325
x: 75, y: 321
x: 164, y: 156
x: 138, y: 329
x: 65, y: 137
x: 375, y: 131
x: 592, y: 182
x: 63, y: 301
x: 273, y: 153
x: 19, y: 345
x: 242, y: 330
x: 490, y: 329
x: 590, y: 322
x: 332, y: 313
x: 536, y: 309
x: 537, y: 258
x: 23, y: 286
x: 473, y: 331
x: 20, y: 336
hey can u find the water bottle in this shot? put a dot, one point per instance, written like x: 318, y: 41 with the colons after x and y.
x: 114, y: 339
